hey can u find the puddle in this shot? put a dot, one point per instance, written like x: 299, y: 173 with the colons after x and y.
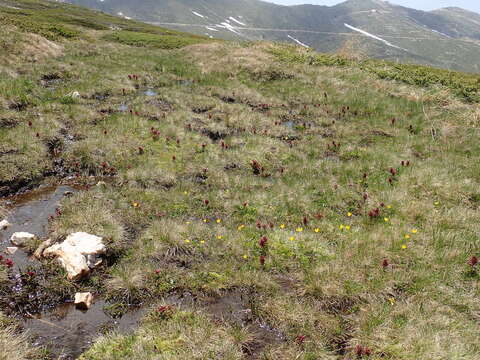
x: 150, y: 92
x: 185, y: 82
x: 68, y: 332
x: 29, y: 212
x: 123, y: 107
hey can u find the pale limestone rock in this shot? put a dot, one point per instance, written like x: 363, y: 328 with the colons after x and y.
x: 73, y: 253
x: 11, y: 250
x: 39, y: 252
x: 4, y: 224
x: 20, y: 238
x: 83, y: 301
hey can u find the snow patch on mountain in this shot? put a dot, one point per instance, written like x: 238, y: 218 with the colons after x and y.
x: 298, y: 41
x: 198, y: 14
x: 237, y: 21
x: 373, y: 36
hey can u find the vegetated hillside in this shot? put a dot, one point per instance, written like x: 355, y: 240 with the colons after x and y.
x: 447, y: 38
x: 259, y: 201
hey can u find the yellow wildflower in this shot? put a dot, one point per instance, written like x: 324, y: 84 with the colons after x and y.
x: 219, y: 221
x: 240, y: 227
x: 392, y: 300
x: 135, y: 204
x: 299, y: 229
x: 282, y: 226
x: 317, y: 230
x: 349, y: 214
x: 347, y: 227
x: 407, y: 236
x: 219, y: 237
x: 292, y: 238
x: 386, y: 219
x: 389, y: 206
x: 202, y: 241
x: 245, y: 257
x: 187, y: 241
x: 341, y: 227
x: 414, y: 231
x: 404, y: 246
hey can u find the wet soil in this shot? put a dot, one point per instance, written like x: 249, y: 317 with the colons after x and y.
x: 67, y: 332
x: 235, y: 307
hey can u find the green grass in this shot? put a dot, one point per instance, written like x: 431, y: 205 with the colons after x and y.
x: 152, y: 40
x: 183, y: 212
x: 466, y: 86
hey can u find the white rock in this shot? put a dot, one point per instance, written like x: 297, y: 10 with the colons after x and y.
x: 74, y: 252
x: 20, y: 238
x: 39, y: 252
x: 83, y: 301
x: 4, y: 224
x: 75, y: 95
x: 11, y: 250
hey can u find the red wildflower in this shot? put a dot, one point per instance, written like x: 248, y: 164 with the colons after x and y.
x: 9, y: 263
x: 262, y: 260
x: 300, y: 339
x: 473, y: 261
x: 263, y: 241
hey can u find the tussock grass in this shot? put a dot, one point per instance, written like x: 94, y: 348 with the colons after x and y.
x: 13, y: 345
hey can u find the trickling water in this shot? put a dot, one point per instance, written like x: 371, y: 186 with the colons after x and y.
x: 29, y: 212
x: 68, y: 332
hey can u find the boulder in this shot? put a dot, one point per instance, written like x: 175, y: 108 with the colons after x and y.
x: 76, y: 253
x: 21, y: 238
x: 11, y: 250
x: 83, y: 301
x: 4, y: 224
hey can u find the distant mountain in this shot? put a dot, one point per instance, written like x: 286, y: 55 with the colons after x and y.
x: 448, y: 38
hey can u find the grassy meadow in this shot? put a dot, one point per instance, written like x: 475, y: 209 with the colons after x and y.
x: 338, y: 201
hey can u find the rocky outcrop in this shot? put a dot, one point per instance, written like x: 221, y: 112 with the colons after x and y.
x: 78, y: 254
x: 21, y: 238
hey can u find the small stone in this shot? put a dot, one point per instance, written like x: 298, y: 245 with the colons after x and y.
x: 4, y: 224
x: 20, y: 238
x: 75, y: 95
x: 11, y: 250
x: 83, y: 301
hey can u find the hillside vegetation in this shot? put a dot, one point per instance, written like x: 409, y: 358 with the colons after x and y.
x: 261, y: 201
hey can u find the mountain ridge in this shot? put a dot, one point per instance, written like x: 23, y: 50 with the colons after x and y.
x: 441, y: 38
